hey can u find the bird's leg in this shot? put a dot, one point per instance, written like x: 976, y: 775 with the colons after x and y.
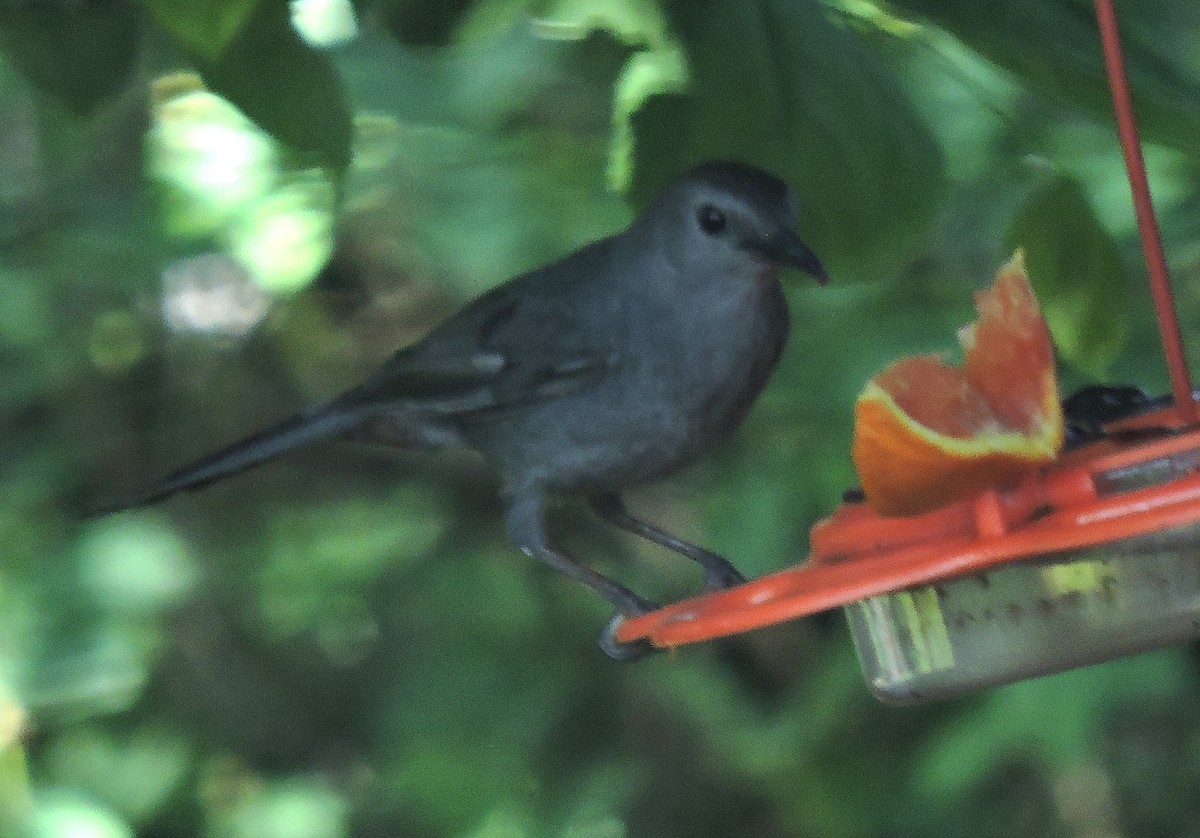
x: 718, y: 572
x: 526, y: 528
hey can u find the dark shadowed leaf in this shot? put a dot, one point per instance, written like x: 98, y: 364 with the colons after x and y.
x: 80, y: 53
x: 778, y: 85
x: 286, y: 86
x: 1054, y: 46
x: 421, y: 22
x: 1076, y: 271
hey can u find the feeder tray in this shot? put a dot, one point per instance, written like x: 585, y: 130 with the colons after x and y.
x: 1094, y: 556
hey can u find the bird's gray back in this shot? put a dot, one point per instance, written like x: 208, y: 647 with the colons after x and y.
x: 680, y: 359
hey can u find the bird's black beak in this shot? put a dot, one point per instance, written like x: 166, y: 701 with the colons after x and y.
x: 796, y: 253
x: 787, y: 249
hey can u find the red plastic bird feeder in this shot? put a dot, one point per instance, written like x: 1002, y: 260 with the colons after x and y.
x: 1095, y: 556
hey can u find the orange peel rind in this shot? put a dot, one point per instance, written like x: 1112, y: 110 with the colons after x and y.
x: 927, y: 433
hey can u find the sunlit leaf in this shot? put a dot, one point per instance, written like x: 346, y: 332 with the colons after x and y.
x: 15, y: 801
x: 299, y: 808
x: 287, y: 87
x: 324, y: 23
x: 135, y: 563
x: 135, y: 773
x: 494, y: 152
x: 63, y: 812
x: 286, y: 237
x: 210, y: 161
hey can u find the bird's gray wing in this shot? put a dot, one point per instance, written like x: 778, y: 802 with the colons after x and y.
x: 516, y: 346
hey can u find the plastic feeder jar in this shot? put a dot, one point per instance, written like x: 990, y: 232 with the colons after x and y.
x: 1095, y: 557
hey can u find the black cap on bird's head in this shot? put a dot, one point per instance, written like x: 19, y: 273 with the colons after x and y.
x: 744, y: 212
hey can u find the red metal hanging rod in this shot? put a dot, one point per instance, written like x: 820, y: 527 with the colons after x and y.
x: 1156, y: 262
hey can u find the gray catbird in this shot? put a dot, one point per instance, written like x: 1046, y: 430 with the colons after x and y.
x: 619, y: 364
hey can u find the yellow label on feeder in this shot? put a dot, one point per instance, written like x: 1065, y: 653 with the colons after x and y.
x: 1086, y: 577
x: 923, y: 615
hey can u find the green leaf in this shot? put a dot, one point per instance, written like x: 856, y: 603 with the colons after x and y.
x: 487, y: 158
x: 204, y: 26
x: 297, y: 807
x: 135, y: 772
x: 80, y: 53
x: 1075, y: 269
x: 284, y: 85
x: 777, y: 85
x: 15, y: 799
x: 1054, y: 45
x: 1032, y: 717
x: 420, y: 22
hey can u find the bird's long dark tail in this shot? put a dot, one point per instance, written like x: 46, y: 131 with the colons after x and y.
x: 318, y: 424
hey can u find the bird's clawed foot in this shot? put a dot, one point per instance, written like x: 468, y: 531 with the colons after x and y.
x: 719, y: 574
x: 625, y: 652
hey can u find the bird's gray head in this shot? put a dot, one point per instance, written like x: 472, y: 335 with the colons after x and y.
x: 734, y: 216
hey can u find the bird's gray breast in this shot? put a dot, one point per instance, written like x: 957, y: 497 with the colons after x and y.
x: 727, y: 359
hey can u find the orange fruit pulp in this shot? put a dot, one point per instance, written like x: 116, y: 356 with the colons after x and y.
x: 927, y: 433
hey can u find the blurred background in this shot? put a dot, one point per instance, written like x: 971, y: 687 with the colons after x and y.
x: 213, y: 213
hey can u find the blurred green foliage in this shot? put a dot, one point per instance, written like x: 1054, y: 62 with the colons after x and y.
x: 1076, y: 269
x: 342, y: 643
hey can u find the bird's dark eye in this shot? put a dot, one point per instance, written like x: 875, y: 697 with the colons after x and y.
x: 712, y: 220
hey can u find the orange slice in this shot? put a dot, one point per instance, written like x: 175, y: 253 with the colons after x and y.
x: 927, y: 433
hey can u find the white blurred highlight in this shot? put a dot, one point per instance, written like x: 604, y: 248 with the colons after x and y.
x: 212, y: 294
x: 324, y: 23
